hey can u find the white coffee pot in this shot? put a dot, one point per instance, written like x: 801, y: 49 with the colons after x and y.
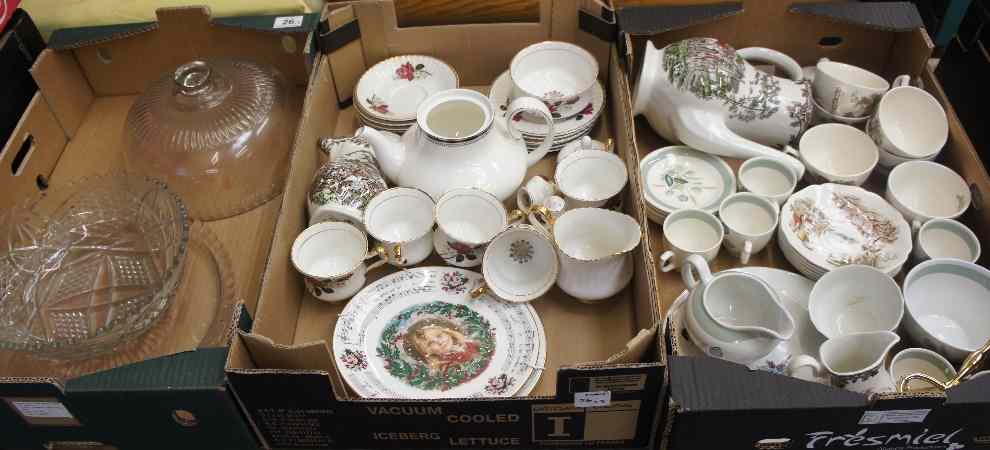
x: 702, y: 92
x: 458, y: 141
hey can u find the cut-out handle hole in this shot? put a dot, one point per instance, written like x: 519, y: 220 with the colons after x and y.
x: 103, y: 54
x: 830, y: 41
x: 185, y: 418
x: 42, y: 182
x: 21, y: 157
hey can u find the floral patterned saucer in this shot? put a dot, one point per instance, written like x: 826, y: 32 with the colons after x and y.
x: 680, y: 177
x: 830, y: 225
x: 417, y: 334
x: 566, y: 129
x: 392, y: 90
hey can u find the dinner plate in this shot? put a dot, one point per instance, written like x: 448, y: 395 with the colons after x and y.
x: 501, y: 95
x: 793, y: 290
x: 832, y: 225
x: 418, y: 334
x: 680, y: 177
x: 393, y: 89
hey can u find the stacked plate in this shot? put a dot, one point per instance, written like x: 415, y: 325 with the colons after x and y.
x: 826, y: 226
x: 418, y: 334
x: 571, y: 121
x: 389, y: 93
x: 680, y: 177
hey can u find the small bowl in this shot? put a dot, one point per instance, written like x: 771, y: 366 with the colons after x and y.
x: 822, y: 116
x: 912, y: 121
x: 520, y: 264
x: 924, y: 190
x: 853, y: 299
x: 946, y: 238
x: 553, y: 71
x: 589, y: 178
x: 767, y: 177
x: 838, y: 153
x: 948, y: 306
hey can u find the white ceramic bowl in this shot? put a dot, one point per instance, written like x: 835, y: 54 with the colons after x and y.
x: 823, y: 116
x: 923, y: 190
x: 889, y: 160
x: 520, y: 264
x: 854, y: 299
x: 913, y: 122
x: 553, y: 71
x: 838, y: 153
x: 590, y: 177
x: 946, y: 238
x: 767, y: 177
x: 948, y: 306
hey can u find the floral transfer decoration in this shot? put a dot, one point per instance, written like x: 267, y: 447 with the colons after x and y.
x: 683, y: 184
x: 499, y: 385
x: 459, y: 252
x: 407, y: 71
x: 454, y: 283
x: 351, y: 180
x: 521, y: 251
x: 354, y: 359
x: 377, y: 104
x: 843, y: 230
x: 437, y: 345
x: 801, y: 113
x: 321, y: 287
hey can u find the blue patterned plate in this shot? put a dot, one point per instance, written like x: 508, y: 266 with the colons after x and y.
x: 680, y: 177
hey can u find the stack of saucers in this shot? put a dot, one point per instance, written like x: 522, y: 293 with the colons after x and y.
x: 827, y: 226
x: 680, y: 177
x: 388, y: 94
x: 564, y: 77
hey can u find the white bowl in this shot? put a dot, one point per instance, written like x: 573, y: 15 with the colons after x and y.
x: 520, y: 264
x: 948, y: 306
x: 923, y: 190
x: 838, y: 153
x: 553, y: 71
x: 913, y: 122
x: 946, y: 238
x: 588, y: 178
x: 768, y: 177
x: 854, y: 299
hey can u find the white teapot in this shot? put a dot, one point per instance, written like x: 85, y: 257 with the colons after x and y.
x: 459, y: 142
x: 702, y: 92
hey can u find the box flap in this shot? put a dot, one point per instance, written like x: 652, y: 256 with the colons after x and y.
x: 711, y: 384
x: 889, y: 16
x: 645, y: 20
x: 70, y: 38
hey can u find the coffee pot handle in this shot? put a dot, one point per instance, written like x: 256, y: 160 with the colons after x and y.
x: 695, y: 271
x: 774, y: 57
x: 801, y: 361
x: 532, y: 104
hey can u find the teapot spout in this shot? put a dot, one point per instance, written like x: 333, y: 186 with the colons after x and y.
x: 388, y: 150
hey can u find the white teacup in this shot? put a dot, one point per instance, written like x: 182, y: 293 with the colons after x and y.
x: 768, y: 177
x: 467, y: 220
x: 920, y: 360
x: 534, y: 192
x: 595, y: 248
x: 585, y: 143
x: 853, y: 299
x: 555, y: 72
x: 946, y: 238
x: 750, y: 221
x: 924, y: 190
x: 822, y: 116
x: 909, y: 122
x: 847, y: 90
x: 589, y: 178
x: 856, y: 361
x: 330, y: 255
x: 690, y: 232
x: 838, y: 153
x: 402, y: 220
x: 520, y: 265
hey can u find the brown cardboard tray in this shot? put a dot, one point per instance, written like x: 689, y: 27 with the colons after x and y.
x: 283, y: 372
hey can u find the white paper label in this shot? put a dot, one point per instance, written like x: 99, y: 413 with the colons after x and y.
x: 592, y: 399
x: 288, y: 22
x: 894, y: 416
x: 48, y: 410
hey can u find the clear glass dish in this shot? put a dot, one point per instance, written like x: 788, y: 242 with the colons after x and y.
x: 217, y: 131
x: 88, y: 266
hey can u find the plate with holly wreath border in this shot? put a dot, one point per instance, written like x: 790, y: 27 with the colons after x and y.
x: 418, y: 334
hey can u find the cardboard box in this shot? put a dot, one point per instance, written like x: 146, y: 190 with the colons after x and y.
x: 167, y: 388
x: 283, y: 372
x: 718, y: 404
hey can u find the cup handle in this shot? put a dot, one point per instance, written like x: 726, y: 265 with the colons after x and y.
x: 916, y: 226
x: 747, y: 251
x: 479, y: 291
x: 516, y: 215
x: 533, y: 104
x: 382, y: 255
x: 901, y: 80
x: 692, y: 264
x: 667, y: 261
x: 543, y: 214
x: 802, y: 361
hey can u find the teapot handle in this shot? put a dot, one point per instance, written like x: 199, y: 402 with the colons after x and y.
x: 778, y: 59
x: 533, y: 104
